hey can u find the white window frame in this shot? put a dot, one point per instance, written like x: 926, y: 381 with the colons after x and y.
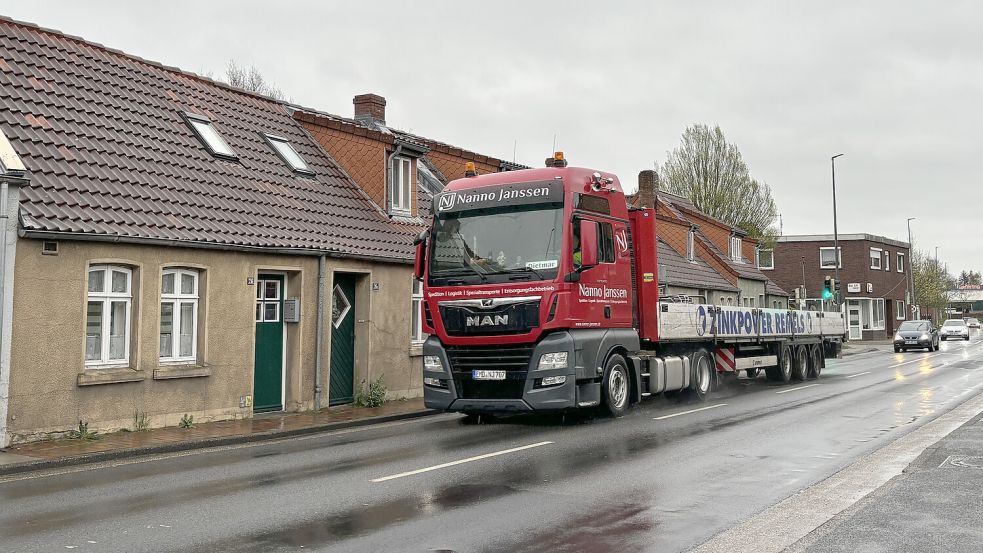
x: 762, y: 266
x: 416, y: 302
x: 286, y: 152
x: 900, y: 262
x: 691, y: 245
x: 735, y: 248
x: 176, y: 299
x: 204, y: 129
x: 107, y: 297
x: 887, y: 261
x: 876, y: 324
x: 900, y: 307
x: 830, y: 265
x: 875, y: 254
x: 405, y: 203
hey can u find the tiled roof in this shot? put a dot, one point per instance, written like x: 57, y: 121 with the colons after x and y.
x: 744, y: 270
x: 675, y: 269
x: 773, y: 289
x: 110, y: 154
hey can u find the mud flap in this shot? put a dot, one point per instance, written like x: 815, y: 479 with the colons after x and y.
x: 589, y: 394
x: 635, y: 366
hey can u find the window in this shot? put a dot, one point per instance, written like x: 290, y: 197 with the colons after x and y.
x: 827, y: 259
x: 399, y: 185
x: 209, y: 136
x: 766, y: 259
x: 877, y: 306
x: 178, y: 315
x: 268, y: 301
x: 899, y: 309
x: 588, y: 202
x: 875, y: 258
x: 288, y: 154
x: 900, y: 262
x: 605, y: 243
x: 723, y: 301
x: 417, y: 334
x: 107, y: 317
x: 735, y: 248
x: 691, y: 244
x: 887, y: 261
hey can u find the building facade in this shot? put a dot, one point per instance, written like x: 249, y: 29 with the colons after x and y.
x: 178, y: 247
x: 875, y: 277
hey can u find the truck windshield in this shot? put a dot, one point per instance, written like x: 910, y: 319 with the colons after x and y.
x: 496, y: 245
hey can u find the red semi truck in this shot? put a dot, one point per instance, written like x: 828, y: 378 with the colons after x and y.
x: 541, y: 294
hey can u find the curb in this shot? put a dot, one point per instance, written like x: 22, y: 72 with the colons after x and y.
x: 858, y: 352
x: 270, y: 435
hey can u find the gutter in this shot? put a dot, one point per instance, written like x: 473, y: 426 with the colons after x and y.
x: 118, y: 238
x: 319, y: 339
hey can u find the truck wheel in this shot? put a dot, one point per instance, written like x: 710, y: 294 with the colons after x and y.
x: 615, y: 387
x: 815, y: 361
x: 800, y: 363
x: 783, y: 372
x: 702, y: 372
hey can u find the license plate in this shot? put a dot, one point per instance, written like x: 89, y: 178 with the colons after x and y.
x: 488, y: 375
x: 911, y: 341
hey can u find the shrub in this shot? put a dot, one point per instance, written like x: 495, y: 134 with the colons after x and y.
x: 373, y: 396
x: 187, y: 421
x: 83, y: 432
x: 140, y: 421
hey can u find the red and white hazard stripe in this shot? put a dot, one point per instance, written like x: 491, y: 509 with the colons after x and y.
x: 726, y: 362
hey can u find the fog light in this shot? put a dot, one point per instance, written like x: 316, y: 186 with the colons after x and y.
x: 432, y: 363
x: 434, y: 382
x: 556, y: 360
x: 554, y: 380
x: 898, y: 338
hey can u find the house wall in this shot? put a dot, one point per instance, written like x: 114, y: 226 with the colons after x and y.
x: 751, y: 289
x: 51, y: 389
x: 452, y: 166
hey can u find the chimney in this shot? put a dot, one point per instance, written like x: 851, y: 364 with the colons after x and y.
x: 370, y: 107
x: 648, y: 186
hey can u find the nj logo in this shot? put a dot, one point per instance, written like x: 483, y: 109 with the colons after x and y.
x: 446, y: 201
x: 622, y: 241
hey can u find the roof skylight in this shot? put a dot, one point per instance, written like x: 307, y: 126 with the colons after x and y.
x: 209, y: 136
x: 288, y: 154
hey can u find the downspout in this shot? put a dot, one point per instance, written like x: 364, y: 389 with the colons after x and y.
x: 319, y: 340
x: 4, y: 365
x: 389, y: 177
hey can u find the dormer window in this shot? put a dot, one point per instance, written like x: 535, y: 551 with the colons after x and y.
x: 209, y: 136
x: 735, y: 248
x: 400, y: 185
x: 691, y: 244
x: 287, y: 153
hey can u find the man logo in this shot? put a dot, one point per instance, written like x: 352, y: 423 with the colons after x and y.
x: 486, y: 320
x: 446, y: 201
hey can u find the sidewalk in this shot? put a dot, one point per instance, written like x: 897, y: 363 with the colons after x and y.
x: 934, y: 505
x: 853, y: 348
x: 269, y: 426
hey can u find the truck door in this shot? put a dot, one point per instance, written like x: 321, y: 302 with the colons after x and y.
x: 603, y: 293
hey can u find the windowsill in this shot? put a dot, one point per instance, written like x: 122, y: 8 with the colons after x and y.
x: 416, y: 349
x: 191, y: 370
x: 97, y: 375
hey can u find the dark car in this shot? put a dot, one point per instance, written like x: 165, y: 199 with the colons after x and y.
x: 916, y: 335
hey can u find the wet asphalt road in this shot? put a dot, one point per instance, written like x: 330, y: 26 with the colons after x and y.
x: 591, y: 484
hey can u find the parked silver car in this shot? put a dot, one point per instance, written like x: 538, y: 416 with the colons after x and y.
x: 955, y: 329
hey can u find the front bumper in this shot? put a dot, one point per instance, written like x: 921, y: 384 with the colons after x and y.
x: 520, y: 392
x: 909, y: 344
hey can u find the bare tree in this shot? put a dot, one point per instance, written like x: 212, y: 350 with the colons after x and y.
x: 970, y: 277
x: 712, y: 174
x: 252, y: 80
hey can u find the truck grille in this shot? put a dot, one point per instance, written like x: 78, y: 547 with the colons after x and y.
x: 514, y: 360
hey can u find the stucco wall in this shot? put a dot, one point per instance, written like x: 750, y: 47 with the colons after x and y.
x: 48, y: 347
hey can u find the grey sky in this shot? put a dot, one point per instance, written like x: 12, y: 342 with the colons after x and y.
x: 896, y: 86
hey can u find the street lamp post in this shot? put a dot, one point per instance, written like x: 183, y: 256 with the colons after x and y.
x: 911, y: 276
x: 836, y: 239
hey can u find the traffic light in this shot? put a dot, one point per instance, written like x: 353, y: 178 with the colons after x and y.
x: 828, y: 288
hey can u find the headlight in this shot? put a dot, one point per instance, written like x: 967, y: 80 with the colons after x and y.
x: 556, y: 360
x: 924, y: 337
x: 434, y: 382
x: 432, y: 363
x: 898, y: 337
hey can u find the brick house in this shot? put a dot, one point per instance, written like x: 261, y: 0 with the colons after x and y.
x: 721, y: 259
x: 180, y: 246
x: 874, y: 276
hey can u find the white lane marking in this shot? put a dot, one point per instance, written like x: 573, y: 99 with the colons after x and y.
x: 459, y: 462
x: 663, y: 417
x: 796, y: 389
x: 917, y: 360
x: 858, y: 374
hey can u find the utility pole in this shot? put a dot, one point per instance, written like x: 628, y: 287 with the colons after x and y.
x: 911, y: 275
x: 836, y: 240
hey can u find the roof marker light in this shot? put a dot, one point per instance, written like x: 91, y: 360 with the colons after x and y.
x: 469, y: 170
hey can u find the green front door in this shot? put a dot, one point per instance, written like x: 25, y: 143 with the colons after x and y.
x: 268, y: 371
x: 341, y: 385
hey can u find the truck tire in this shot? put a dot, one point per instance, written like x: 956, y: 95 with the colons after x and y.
x: 616, y: 387
x: 815, y: 361
x: 800, y: 363
x: 702, y: 372
x: 783, y: 372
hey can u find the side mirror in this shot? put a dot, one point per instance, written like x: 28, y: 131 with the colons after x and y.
x: 420, y: 259
x: 588, y: 244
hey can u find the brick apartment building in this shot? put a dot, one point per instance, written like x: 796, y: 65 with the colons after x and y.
x: 874, y: 277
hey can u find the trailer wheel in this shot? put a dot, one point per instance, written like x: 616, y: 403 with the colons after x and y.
x: 702, y: 372
x: 815, y: 361
x: 616, y: 388
x: 800, y: 363
x: 783, y: 372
